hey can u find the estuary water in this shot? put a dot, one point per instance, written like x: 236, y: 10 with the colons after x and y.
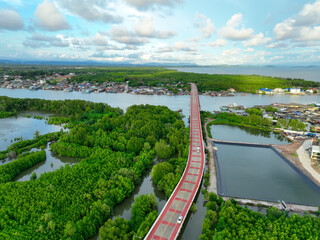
x: 124, y: 100
x: 23, y: 127
x: 311, y: 73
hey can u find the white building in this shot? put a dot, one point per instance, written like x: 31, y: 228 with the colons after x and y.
x: 278, y: 90
x: 295, y: 90
x: 315, y: 152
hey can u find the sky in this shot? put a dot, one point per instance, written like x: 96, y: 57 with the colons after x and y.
x: 203, y: 32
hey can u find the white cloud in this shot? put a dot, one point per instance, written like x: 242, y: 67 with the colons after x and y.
x: 40, y: 41
x: 99, y: 40
x: 93, y: 10
x: 145, y: 28
x: 177, y: 46
x: 248, y: 50
x: 218, y: 43
x: 10, y: 20
x: 122, y: 35
x: 50, y: 18
x: 205, y: 25
x: 303, y: 27
x: 231, y: 32
x: 147, y: 4
x: 257, y: 40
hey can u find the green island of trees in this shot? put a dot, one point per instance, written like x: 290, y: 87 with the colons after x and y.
x: 114, y: 149
x: 253, y: 120
x: 228, y: 220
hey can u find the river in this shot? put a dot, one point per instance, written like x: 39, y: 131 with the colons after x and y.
x: 124, y: 100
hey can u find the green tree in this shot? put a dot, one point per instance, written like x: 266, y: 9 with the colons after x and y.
x: 162, y: 149
x: 134, y: 145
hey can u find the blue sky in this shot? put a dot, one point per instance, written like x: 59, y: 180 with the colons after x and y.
x: 204, y: 32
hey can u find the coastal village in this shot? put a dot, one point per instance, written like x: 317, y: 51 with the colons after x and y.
x: 59, y: 82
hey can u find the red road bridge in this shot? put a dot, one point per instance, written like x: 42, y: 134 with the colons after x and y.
x: 169, y: 222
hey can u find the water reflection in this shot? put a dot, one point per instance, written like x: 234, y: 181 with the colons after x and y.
x: 51, y: 164
x: 244, y: 134
x: 259, y: 173
x: 124, y: 100
x: 23, y: 127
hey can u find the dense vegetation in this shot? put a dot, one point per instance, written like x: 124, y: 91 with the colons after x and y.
x: 166, y: 175
x: 26, y: 145
x: 143, y: 214
x: 73, y: 108
x: 228, y: 220
x: 10, y: 170
x: 148, y: 76
x: 254, y: 120
x: 115, y: 148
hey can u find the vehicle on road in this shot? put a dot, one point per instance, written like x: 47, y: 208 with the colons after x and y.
x: 179, y: 219
x: 198, y: 149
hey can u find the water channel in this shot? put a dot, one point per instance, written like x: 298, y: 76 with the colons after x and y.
x: 51, y: 164
x: 244, y: 134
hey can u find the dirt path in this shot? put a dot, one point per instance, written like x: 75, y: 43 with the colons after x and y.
x: 212, y: 168
x: 292, y: 207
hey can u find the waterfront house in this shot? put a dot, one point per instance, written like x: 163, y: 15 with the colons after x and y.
x: 265, y: 91
x: 295, y: 90
x: 315, y: 150
x: 278, y: 90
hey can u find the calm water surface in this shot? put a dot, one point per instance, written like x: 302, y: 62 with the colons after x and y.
x: 259, y: 173
x: 45, y: 166
x: 243, y: 134
x: 16, y: 127
x: 124, y: 100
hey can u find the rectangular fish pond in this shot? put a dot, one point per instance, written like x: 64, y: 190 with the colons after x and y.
x: 260, y: 173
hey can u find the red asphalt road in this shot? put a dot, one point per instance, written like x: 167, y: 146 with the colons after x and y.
x: 195, y: 139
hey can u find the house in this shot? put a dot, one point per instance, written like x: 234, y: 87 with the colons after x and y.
x: 265, y: 91
x: 295, y: 90
x: 231, y: 90
x: 315, y: 151
x: 278, y: 90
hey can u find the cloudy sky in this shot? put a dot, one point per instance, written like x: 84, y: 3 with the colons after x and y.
x: 204, y: 32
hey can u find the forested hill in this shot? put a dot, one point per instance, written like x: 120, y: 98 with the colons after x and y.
x: 114, y: 150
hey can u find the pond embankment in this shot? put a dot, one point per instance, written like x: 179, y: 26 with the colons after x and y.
x: 259, y: 174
